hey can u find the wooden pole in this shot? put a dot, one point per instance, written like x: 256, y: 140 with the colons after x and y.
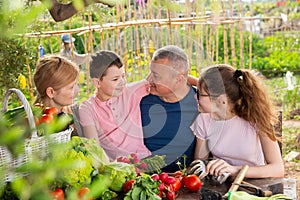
x: 89, y: 50
x: 84, y: 35
x: 137, y: 45
x: 241, y: 28
x: 217, y: 44
x: 216, y: 12
x: 49, y: 39
x: 225, y: 43
x: 130, y: 31
x: 124, y: 42
x: 59, y: 43
x: 189, y: 32
x: 117, y: 30
x: 200, y: 30
x: 250, y: 36
x: 232, y: 45
x: 211, y: 42
x: 153, y: 37
x: 170, y: 26
x: 30, y: 85
x: 72, y: 44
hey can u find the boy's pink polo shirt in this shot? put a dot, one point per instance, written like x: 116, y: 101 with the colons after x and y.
x: 118, y: 121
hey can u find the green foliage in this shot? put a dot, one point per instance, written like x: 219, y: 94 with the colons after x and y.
x: 287, y: 100
x: 145, y: 187
x: 119, y: 173
x: 289, y: 139
x: 13, y: 61
x: 12, y: 136
x: 273, y: 55
x: 282, y: 55
x: 15, y: 17
x: 91, y: 150
x: 40, y: 176
x: 81, y: 174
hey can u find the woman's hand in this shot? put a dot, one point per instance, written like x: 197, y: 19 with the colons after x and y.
x: 218, y: 167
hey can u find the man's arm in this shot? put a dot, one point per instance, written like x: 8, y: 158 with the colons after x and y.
x: 193, y: 81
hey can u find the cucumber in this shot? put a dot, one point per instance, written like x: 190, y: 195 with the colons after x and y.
x: 15, y: 114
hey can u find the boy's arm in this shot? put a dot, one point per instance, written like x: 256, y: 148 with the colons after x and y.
x: 91, y: 132
x: 193, y: 81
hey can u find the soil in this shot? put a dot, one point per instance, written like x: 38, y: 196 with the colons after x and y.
x: 292, y: 169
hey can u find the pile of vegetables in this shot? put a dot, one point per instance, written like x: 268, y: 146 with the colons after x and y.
x: 92, y: 169
x: 87, y: 173
x: 104, y: 179
x: 160, y: 186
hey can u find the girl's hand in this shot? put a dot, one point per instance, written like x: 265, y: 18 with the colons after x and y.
x: 218, y: 167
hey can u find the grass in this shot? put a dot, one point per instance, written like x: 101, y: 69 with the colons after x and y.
x: 287, y: 101
x: 290, y: 135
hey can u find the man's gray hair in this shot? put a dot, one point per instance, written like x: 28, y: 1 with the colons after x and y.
x: 175, y: 55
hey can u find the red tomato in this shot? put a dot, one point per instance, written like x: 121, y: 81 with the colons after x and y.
x: 176, y: 185
x: 163, y: 176
x: 51, y: 110
x: 192, y: 183
x: 128, y: 185
x: 46, y: 118
x: 58, y: 194
x: 82, y: 192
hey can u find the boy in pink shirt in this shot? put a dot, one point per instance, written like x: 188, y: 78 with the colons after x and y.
x: 112, y: 114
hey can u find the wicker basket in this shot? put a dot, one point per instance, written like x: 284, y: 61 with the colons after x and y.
x: 33, y: 145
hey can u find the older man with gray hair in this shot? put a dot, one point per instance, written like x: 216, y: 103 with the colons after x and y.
x: 170, y: 108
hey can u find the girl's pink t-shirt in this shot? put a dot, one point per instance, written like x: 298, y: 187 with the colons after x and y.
x: 118, y: 121
x: 233, y: 140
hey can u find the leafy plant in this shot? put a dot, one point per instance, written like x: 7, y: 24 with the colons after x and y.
x: 287, y: 100
x: 14, y: 59
x: 289, y: 137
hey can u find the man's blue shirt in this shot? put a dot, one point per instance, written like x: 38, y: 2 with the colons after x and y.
x: 166, y: 128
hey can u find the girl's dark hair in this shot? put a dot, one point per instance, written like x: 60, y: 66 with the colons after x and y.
x: 245, y: 92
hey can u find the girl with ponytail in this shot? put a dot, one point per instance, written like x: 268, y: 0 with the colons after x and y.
x: 236, y: 124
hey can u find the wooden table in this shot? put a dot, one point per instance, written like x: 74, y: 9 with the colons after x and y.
x: 214, y: 191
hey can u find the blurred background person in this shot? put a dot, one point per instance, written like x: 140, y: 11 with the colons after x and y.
x: 68, y: 50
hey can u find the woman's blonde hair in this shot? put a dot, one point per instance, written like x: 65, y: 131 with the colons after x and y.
x: 246, y: 93
x: 53, y: 71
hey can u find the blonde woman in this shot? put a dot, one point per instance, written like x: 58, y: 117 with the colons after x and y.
x: 55, y: 79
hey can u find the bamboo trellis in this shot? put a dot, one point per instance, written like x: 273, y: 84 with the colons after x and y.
x: 133, y: 31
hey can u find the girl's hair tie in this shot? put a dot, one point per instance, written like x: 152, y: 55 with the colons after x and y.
x: 238, y: 74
